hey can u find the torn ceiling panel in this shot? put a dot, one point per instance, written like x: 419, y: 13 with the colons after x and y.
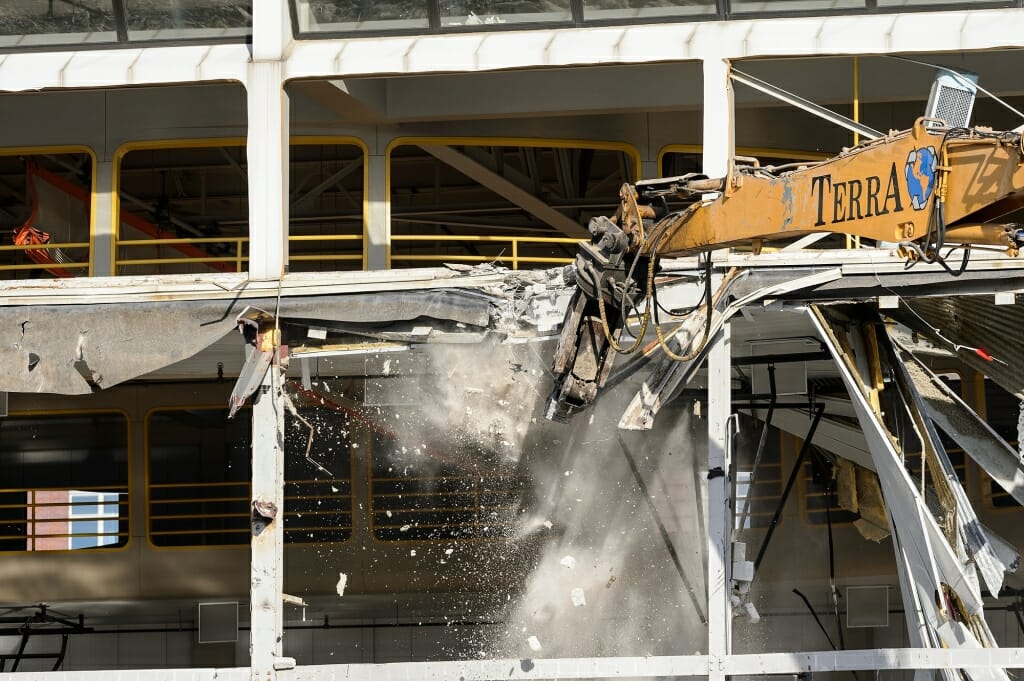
x: 78, y: 349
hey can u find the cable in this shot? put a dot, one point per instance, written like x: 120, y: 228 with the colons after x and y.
x: 963, y: 79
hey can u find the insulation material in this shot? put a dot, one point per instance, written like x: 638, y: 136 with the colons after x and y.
x: 858, y: 491
x: 873, y: 523
x: 78, y: 349
x: 964, y: 323
x: 961, y: 516
x: 970, y: 432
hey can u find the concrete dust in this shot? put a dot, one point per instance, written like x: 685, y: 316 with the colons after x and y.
x: 606, y: 550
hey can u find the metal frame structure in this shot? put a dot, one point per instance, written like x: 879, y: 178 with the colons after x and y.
x: 277, y: 58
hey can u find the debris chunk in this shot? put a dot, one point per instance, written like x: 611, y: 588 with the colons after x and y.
x: 578, y: 597
x: 342, y: 583
x: 534, y: 644
x: 568, y: 561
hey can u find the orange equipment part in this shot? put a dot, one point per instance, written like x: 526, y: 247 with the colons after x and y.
x: 27, y: 234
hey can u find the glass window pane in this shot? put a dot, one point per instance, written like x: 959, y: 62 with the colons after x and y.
x: 483, y: 12
x: 795, y: 5
x: 594, y: 10
x: 925, y: 3
x: 188, y: 19
x: 343, y: 16
x: 36, y: 22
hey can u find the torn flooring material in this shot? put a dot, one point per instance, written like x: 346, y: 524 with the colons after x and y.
x: 78, y: 349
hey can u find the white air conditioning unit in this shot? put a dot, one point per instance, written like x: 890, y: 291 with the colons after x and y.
x: 952, y: 98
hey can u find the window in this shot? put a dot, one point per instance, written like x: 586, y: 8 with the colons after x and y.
x: 199, y: 466
x: 421, y: 492
x: 443, y: 208
x: 94, y: 519
x: 47, y: 202
x: 65, y: 482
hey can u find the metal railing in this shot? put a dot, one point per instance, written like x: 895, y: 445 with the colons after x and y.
x: 46, y: 266
x: 513, y: 255
x: 229, y: 263
x: 179, y: 517
x: 44, y: 518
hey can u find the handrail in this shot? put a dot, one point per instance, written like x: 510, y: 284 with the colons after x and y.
x: 239, y: 242
x: 514, y: 241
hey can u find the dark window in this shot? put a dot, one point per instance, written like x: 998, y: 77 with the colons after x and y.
x: 65, y: 482
x: 200, y: 472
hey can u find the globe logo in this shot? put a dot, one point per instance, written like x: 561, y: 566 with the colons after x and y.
x: 920, y: 172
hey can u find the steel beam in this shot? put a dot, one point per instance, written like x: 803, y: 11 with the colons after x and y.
x: 508, y: 190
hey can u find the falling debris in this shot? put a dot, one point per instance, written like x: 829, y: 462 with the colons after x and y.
x: 534, y: 644
x: 405, y: 528
x: 568, y: 561
x: 548, y: 524
x: 342, y: 583
x: 412, y: 552
x: 578, y: 598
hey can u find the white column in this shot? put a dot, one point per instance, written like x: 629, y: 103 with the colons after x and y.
x: 719, y: 121
x: 719, y: 511
x: 266, y: 572
x: 719, y: 146
x: 103, y: 221
x: 378, y: 213
x: 267, y: 146
x: 267, y: 151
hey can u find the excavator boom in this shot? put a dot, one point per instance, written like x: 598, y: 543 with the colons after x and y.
x: 921, y: 189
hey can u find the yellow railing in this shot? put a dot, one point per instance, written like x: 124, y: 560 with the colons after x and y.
x: 239, y: 243
x: 169, y: 527
x: 513, y: 256
x: 43, y: 247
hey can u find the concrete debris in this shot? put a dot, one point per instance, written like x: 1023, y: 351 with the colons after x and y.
x: 568, y: 561
x: 579, y: 599
x: 534, y: 644
x: 342, y: 583
x: 1020, y: 431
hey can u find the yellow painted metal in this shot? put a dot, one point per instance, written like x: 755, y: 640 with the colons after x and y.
x: 533, y: 142
x: 863, y: 191
x: 239, y: 259
x: 513, y: 241
x: 149, y: 485
x: 60, y: 149
x: 856, y: 98
x: 755, y: 152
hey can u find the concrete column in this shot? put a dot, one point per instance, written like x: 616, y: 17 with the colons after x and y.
x: 719, y: 511
x: 378, y: 217
x: 719, y: 121
x: 104, y: 229
x: 266, y: 573
x: 267, y: 152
